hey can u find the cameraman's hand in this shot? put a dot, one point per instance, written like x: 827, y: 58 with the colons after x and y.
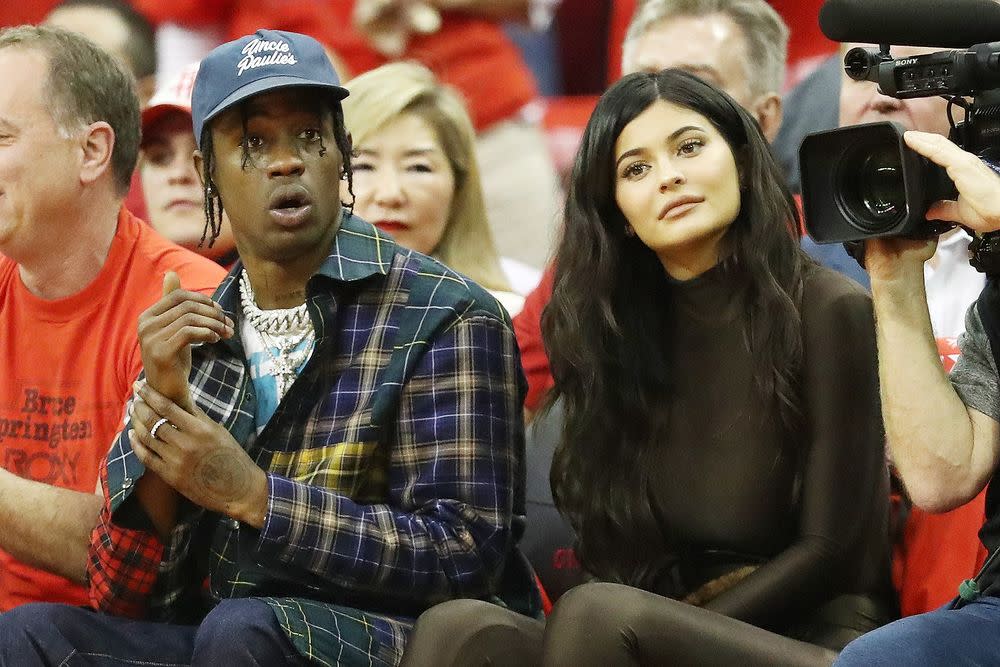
x: 894, y: 258
x: 978, y: 204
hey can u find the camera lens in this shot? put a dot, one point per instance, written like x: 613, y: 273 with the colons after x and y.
x: 882, y: 184
x: 871, y: 189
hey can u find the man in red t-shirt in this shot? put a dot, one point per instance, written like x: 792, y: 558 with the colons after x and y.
x: 75, y: 272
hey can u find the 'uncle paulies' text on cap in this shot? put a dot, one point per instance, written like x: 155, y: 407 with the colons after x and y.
x: 263, y: 61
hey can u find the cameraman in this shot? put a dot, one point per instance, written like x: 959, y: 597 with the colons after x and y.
x: 944, y: 432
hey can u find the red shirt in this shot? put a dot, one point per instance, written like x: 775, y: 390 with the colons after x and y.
x: 528, y: 330
x: 68, y: 368
x: 25, y: 11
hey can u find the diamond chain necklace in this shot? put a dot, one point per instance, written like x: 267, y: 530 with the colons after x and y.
x: 288, y: 329
x: 280, y: 321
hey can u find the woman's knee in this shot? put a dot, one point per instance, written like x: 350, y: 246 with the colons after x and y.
x: 458, y: 618
x: 595, y: 624
x: 473, y: 632
x: 594, y: 606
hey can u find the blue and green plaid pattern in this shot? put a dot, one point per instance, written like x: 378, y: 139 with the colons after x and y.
x: 395, y: 466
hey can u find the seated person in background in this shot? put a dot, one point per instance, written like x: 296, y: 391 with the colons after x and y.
x: 116, y: 27
x: 334, y: 444
x: 810, y: 106
x: 722, y: 445
x: 76, y: 271
x: 469, y: 51
x: 739, y: 46
x: 175, y: 197
x: 416, y: 176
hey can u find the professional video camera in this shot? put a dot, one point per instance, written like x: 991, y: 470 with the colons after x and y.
x: 862, y: 181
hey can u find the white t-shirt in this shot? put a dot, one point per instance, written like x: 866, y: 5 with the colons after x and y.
x: 264, y: 370
x: 952, y: 285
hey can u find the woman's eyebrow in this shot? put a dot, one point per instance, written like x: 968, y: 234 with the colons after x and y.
x: 673, y: 135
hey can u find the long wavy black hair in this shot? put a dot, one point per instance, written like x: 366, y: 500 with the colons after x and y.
x: 605, y: 326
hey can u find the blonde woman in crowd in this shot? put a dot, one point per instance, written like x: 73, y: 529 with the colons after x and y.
x: 416, y: 176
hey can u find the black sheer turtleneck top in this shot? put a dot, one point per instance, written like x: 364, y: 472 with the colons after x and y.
x: 734, y: 488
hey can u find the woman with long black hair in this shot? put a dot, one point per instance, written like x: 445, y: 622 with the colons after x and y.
x: 722, y: 445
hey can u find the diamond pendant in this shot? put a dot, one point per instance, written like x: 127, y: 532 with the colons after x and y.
x: 285, y: 378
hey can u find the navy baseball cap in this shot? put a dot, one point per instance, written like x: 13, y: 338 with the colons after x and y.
x: 265, y: 60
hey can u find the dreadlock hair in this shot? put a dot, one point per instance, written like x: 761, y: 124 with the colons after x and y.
x: 213, y: 200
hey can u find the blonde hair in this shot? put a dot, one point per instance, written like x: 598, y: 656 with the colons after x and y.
x: 382, y: 95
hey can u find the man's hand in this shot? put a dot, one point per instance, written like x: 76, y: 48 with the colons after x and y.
x: 389, y: 24
x: 169, y: 328
x: 978, y: 203
x: 198, y: 457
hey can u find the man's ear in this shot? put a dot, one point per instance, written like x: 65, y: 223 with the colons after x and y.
x: 767, y: 109
x: 97, y: 144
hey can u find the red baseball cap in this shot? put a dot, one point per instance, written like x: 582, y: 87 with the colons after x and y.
x: 173, y: 95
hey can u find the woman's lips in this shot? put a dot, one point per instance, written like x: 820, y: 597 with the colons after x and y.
x: 183, y: 205
x: 679, y: 206
x: 679, y: 210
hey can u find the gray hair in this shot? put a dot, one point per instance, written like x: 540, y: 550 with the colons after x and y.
x: 765, y: 34
x: 85, y: 85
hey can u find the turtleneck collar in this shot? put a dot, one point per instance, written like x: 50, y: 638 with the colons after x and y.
x: 710, y: 297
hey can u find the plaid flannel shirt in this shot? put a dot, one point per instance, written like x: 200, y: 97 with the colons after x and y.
x: 395, y: 461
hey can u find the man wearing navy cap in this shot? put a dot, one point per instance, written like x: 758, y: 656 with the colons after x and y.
x: 325, y: 450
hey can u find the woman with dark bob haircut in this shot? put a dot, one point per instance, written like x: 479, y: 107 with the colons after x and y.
x: 721, y: 458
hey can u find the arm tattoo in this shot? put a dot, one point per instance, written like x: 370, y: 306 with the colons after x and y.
x: 224, y: 475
